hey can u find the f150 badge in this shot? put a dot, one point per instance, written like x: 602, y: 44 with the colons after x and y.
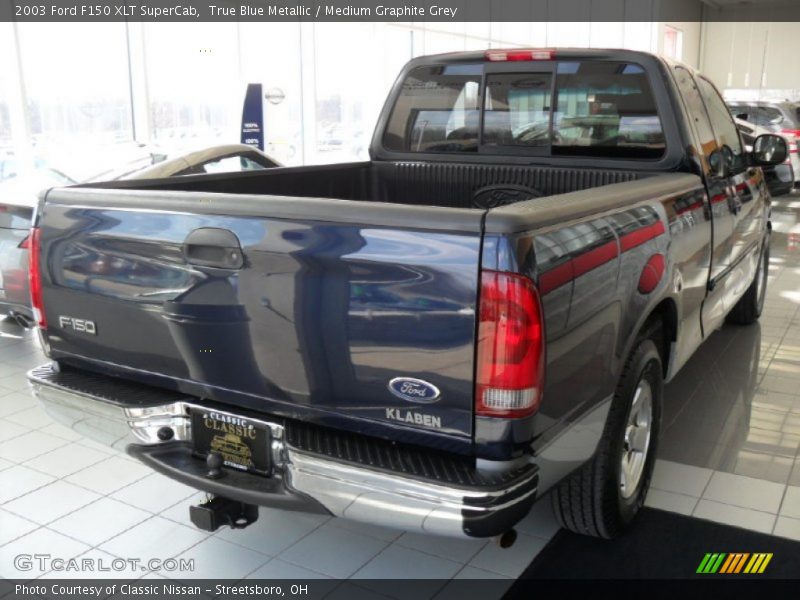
x: 414, y: 390
x: 78, y: 325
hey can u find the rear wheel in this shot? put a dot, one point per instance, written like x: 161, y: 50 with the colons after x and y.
x: 749, y: 307
x: 603, y: 497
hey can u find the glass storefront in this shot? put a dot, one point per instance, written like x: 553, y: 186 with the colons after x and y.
x: 177, y: 86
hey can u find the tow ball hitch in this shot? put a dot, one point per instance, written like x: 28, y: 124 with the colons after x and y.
x: 218, y: 511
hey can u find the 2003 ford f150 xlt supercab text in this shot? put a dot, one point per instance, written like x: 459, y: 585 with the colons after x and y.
x: 430, y: 340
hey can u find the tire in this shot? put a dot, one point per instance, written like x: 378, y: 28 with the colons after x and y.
x: 747, y: 310
x: 593, y: 500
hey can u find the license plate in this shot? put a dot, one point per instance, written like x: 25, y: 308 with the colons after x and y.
x: 243, y: 444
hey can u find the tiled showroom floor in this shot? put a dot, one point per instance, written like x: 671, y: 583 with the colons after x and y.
x: 729, y: 453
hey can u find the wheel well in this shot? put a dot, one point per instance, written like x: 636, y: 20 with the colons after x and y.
x: 664, y: 322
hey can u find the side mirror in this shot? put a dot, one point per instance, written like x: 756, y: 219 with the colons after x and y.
x: 717, y: 163
x: 721, y: 161
x: 769, y: 150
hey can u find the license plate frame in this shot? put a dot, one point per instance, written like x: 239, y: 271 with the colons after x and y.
x: 243, y: 443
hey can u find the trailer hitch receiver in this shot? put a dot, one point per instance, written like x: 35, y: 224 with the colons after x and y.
x: 218, y: 511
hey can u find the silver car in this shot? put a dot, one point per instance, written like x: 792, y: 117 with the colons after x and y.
x: 780, y: 179
x: 779, y: 116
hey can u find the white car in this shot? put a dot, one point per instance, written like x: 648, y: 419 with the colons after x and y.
x: 781, y: 178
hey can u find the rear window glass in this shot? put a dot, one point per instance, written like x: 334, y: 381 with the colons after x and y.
x: 438, y: 110
x: 517, y: 109
x: 595, y: 108
x: 606, y: 109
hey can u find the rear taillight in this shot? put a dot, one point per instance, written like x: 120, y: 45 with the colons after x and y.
x: 510, y: 357
x: 519, y: 54
x: 35, y: 277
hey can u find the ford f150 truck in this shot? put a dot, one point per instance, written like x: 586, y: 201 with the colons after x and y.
x: 432, y: 340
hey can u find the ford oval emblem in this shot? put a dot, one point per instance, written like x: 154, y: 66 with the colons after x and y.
x: 493, y: 196
x: 414, y: 390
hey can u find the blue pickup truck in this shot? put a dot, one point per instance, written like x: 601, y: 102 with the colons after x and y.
x: 482, y: 313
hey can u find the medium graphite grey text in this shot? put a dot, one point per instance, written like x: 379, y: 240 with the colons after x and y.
x: 329, y: 10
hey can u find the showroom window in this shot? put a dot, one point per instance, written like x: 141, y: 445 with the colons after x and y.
x: 195, y: 95
x: 354, y: 66
x: 5, y: 112
x: 281, y: 82
x: 341, y: 102
x: 78, y: 98
x: 673, y: 42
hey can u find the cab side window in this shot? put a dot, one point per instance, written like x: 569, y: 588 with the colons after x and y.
x: 697, y: 112
x: 727, y: 136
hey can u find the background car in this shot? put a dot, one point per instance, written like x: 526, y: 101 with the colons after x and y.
x: 227, y: 158
x: 774, y: 117
x: 19, y: 191
x: 9, y: 165
x: 780, y: 178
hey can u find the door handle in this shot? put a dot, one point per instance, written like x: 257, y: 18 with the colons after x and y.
x: 213, y: 247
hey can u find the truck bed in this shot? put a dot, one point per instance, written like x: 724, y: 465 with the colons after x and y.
x: 332, y: 300
x: 441, y: 184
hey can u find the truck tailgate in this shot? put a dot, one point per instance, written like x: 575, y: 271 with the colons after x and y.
x: 304, y: 308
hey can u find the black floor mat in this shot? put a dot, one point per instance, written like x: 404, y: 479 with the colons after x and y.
x: 662, y: 545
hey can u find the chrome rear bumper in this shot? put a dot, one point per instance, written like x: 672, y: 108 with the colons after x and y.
x: 301, y: 480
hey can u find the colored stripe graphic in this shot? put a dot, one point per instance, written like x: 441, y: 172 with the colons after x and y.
x: 716, y: 565
x: 718, y: 198
x: 703, y: 563
x: 765, y: 563
x: 556, y: 277
x: 733, y: 563
x: 640, y: 236
x: 752, y: 564
x: 758, y: 563
x: 711, y: 563
x: 729, y: 562
x: 741, y: 562
x: 592, y: 259
x: 582, y: 263
x: 689, y: 207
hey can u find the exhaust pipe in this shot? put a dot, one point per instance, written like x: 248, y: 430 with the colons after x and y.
x: 22, y: 320
x: 507, y: 539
